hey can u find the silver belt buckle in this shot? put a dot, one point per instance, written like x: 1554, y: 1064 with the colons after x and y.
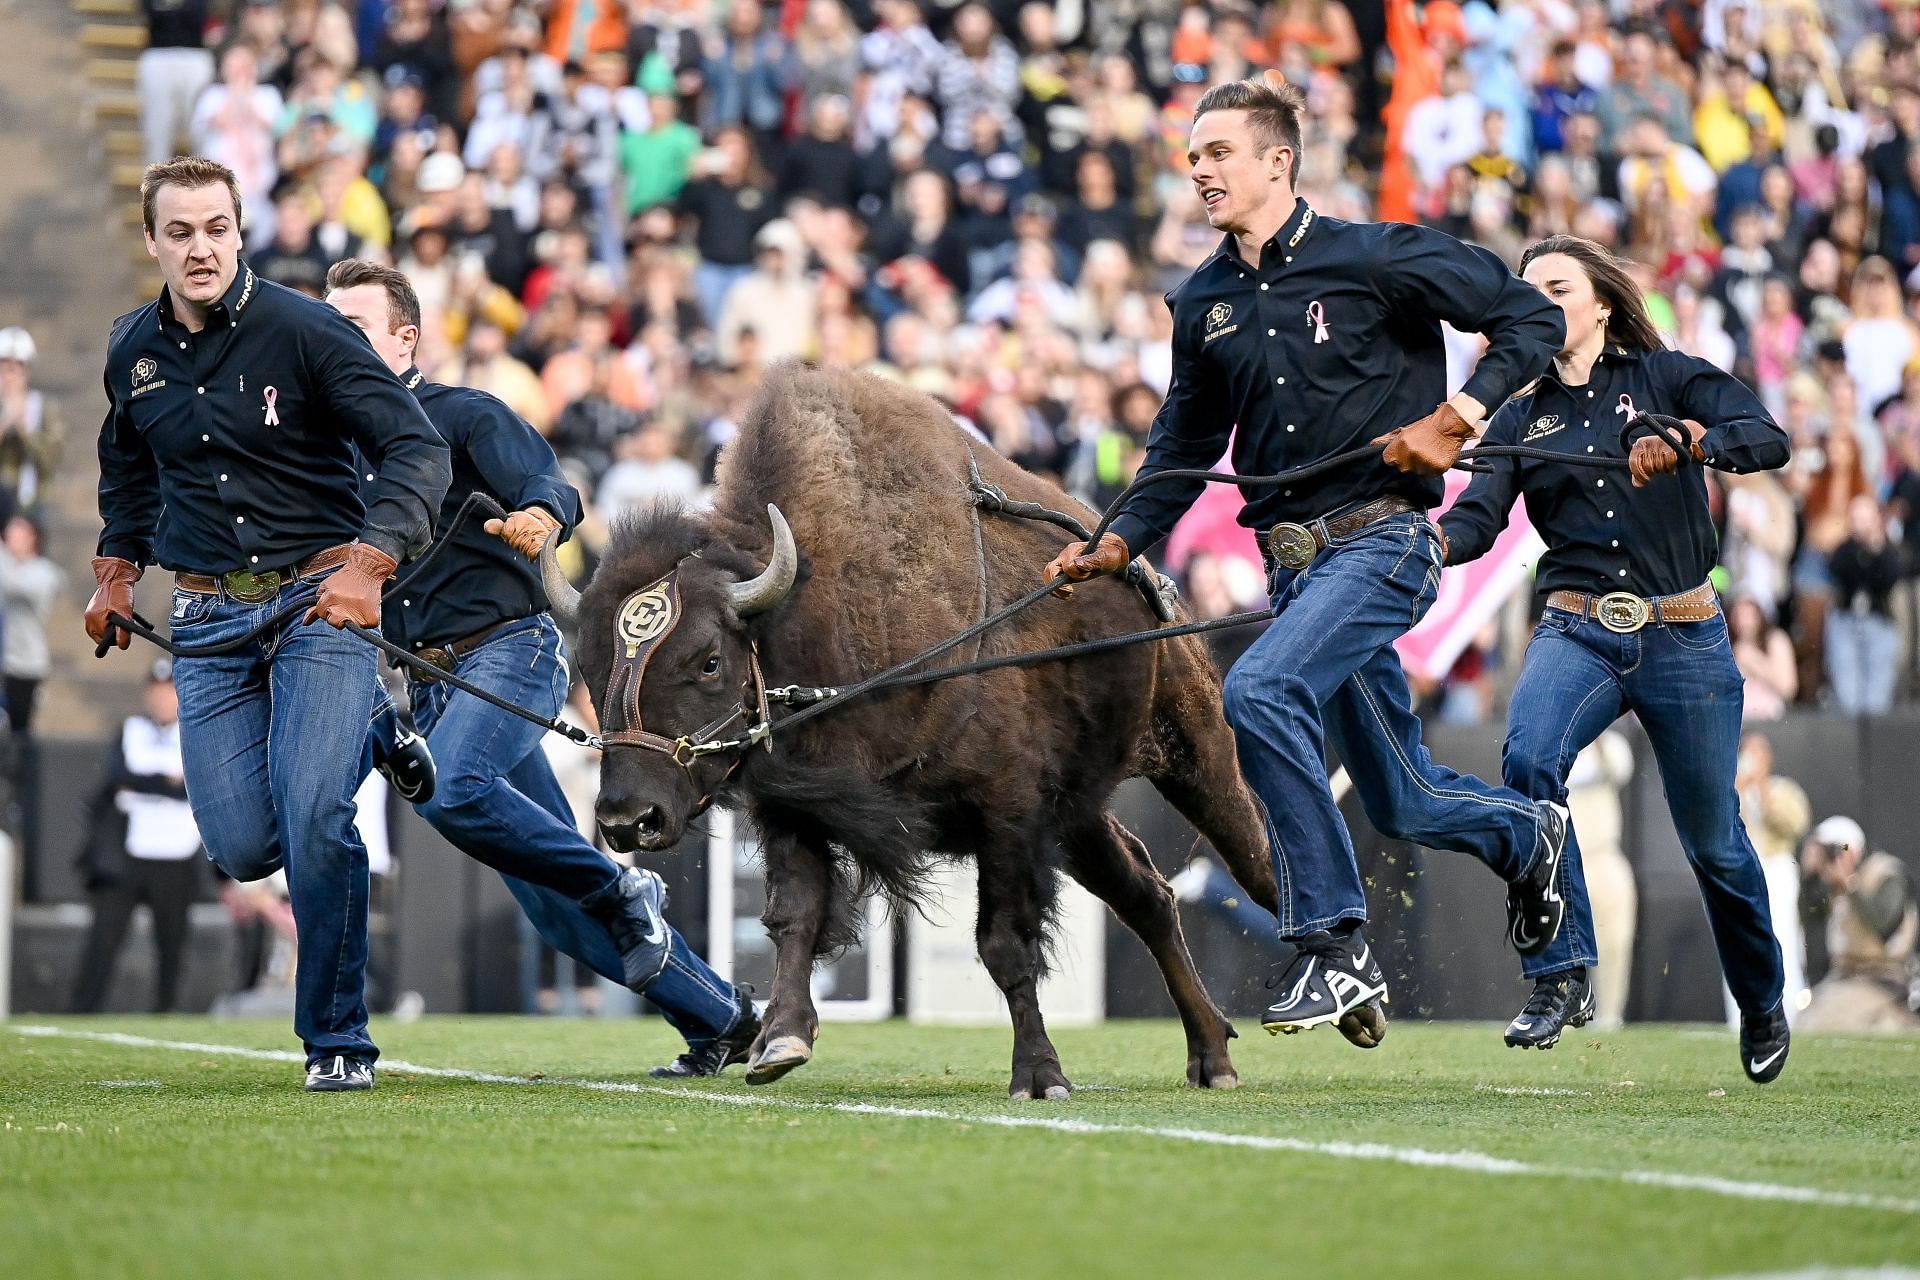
x: 1622, y: 612
x: 1293, y: 545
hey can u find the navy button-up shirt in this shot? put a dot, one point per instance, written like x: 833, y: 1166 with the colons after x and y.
x: 1603, y: 534
x: 1332, y: 340
x: 235, y: 447
x: 478, y: 580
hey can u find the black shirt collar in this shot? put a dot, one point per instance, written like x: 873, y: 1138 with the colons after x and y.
x: 1284, y: 241
x: 1614, y: 354
x: 233, y: 301
x: 413, y: 378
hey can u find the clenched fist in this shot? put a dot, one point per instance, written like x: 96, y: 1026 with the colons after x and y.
x: 1427, y: 447
x: 114, y: 595
x: 1076, y: 563
x: 526, y: 531
x: 351, y: 593
x: 1652, y: 455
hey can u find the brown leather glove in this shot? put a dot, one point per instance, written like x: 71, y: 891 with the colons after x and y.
x: 114, y: 595
x: 1427, y: 447
x: 526, y: 530
x: 351, y: 593
x: 1652, y: 456
x: 1077, y: 564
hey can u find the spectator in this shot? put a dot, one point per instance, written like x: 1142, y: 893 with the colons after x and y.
x: 1863, y: 644
x: 234, y: 123
x: 1097, y: 211
x: 657, y: 161
x: 1880, y: 339
x: 594, y: 362
x: 821, y: 164
x: 1776, y: 814
x: 485, y: 365
x: 775, y: 301
x: 142, y: 848
x: 1600, y: 774
x: 745, y: 75
x: 33, y: 431
x: 727, y: 198
x: 173, y: 68
x: 1638, y: 92
x: 1765, y: 657
x: 645, y: 472
x: 1871, y: 924
x: 825, y: 58
x: 28, y: 584
x: 418, y: 43
x: 978, y: 73
x: 1445, y: 131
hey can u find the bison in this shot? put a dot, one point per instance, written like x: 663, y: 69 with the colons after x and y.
x: 692, y: 617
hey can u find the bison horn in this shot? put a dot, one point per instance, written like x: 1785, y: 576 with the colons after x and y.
x: 561, y: 594
x: 759, y: 594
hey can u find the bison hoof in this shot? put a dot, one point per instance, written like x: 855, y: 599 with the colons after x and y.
x: 1365, y: 1026
x: 1213, y: 1078
x: 1039, y: 1082
x: 781, y: 1055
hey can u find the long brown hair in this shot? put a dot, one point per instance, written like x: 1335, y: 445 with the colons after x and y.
x: 1628, y: 325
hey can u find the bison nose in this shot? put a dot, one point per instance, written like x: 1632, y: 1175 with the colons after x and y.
x: 649, y: 822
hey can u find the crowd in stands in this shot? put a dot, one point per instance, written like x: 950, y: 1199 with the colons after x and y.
x: 618, y: 213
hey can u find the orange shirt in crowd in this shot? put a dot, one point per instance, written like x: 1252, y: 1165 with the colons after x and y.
x: 1416, y: 77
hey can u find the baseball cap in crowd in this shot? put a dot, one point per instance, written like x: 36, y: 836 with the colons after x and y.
x: 17, y: 344
x: 440, y: 172
x: 1840, y: 831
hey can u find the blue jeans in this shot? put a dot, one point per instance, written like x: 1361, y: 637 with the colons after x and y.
x: 1863, y: 661
x: 497, y: 801
x: 271, y: 739
x: 1681, y: 681
x: 1330, y: 653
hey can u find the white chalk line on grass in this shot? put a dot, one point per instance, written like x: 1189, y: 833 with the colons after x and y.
x: 1464, y: 1161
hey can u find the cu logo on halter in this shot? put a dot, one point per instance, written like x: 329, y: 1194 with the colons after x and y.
x: 645, y: 617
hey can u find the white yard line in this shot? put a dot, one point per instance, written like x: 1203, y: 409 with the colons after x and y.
x: 1465, y: 1161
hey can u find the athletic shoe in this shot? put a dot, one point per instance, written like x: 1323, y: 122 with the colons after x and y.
x: 634, y: 908
x: 719, y: 1053
x: 408, y: 768
x: 1331, y: 977
x: 340, y: 1074
x: 1534, y: 905
x: 1764, y: 1040
x: 1559, y: 1001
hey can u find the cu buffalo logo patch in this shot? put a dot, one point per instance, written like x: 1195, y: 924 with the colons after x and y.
x: 1221, y: 313
x: 143, y: 371
x: 1544, y: 427
x: 645, y: 617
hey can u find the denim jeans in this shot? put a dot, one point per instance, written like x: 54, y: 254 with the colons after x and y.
x: 1681, y: 681
x: 271, y: 740
x: 497, y: 801
x: 1329, y: 654
x: 1863, y: 661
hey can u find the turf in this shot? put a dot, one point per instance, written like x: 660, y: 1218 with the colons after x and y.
x: 133, y: 1160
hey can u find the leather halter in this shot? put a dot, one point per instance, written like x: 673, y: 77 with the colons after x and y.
x: 643, y: 622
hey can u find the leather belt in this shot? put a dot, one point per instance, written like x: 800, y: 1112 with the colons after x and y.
x: 1295, y: 545
x: 1625, y: 613
x: 251, y: 587
x: 447, y: 656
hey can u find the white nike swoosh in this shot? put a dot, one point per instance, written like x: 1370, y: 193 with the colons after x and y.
x: 1757, y: 1065
x: 1522, y: 1024
x: 657, y: 930
x: 1366, y: 954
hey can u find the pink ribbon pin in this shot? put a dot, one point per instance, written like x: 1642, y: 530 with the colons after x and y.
x: 273, y: 414
x: 1626, y: 406
x: 1318, y: 315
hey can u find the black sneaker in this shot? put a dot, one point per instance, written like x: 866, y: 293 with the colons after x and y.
x: 340, y: 1074
x: 1559, y: 1001
x: 719, y: 1053
x: 634, y: 908
x: 1534, y: 905
x: 408, y: 767
x: 1764, y: 1040
x: 1333, y: 978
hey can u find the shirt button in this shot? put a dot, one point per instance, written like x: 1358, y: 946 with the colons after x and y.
x: 406, y: 604
x: 201, y: 390
x: 223, y: 475
x: 1289, y: 257
x: 1609, y: 515
x: 1288, y: 493
x: 1263, y: 288
x: 183, y: 346
x: 1589, y: 450
x: 370, y: 474
x: 239, y: 519
x: 255, y: 559
x: 1599, y: 484
x: 206, y: 437
x: 1616, y: 542
x: 1280, y: 382
x: 1623, y: 573
x: 1589, y: 395
x: 1289, y: 426
x: 1271, y: 332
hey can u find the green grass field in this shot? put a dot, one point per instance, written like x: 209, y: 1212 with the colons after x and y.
x: 1643, y: 1153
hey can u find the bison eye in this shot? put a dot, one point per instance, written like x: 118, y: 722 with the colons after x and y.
x: 712, y: 667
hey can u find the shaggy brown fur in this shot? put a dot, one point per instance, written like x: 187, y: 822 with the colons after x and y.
x: 873, y: 480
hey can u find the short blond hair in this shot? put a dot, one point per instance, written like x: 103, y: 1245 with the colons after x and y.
x: 189, y: 172
x: 1274, y: 109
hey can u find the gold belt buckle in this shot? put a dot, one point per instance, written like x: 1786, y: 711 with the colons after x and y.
x: 249, y: 587
x: 441, y: 658
x: 1622, y: 612
x: 1293, y: 545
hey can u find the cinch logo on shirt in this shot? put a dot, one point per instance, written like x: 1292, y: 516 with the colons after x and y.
x: 1543, y: 427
